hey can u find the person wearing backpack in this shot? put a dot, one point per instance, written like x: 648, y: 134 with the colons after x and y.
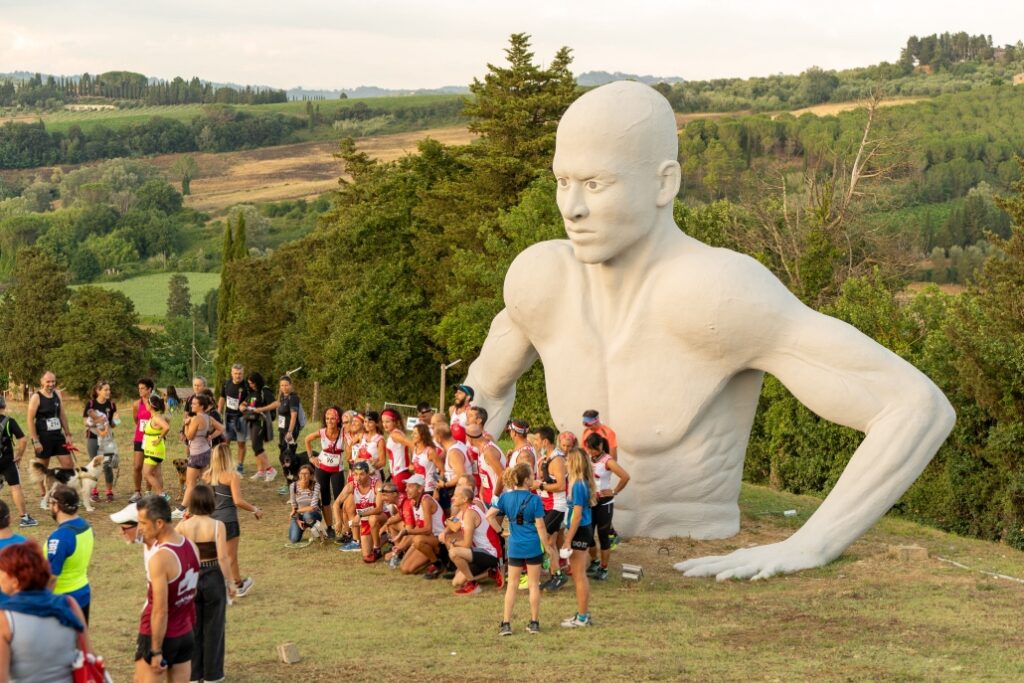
x: 12, y: 448
x: 291, y: 418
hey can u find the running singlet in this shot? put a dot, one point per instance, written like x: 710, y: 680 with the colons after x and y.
x: 473, y: 464
x: 488, y: 477
x: 602, y: 474
x: 436, y: 520
x: 152, y: 445
x: 365, y: 501
x: 423, y: 464
x: 460, y: 418
x: 449, y: 471
x: 331, y: 452
x: 484, y: 537
x: 368, y: 450
x: 48, y: 417
x: 181, y: 592
x: 513, y: 457
x: 398, y: 457
x: 142, y: 419
x: 556, y: 500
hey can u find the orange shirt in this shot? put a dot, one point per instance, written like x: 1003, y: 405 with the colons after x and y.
x: 605, y: 431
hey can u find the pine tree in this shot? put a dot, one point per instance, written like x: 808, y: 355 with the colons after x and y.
x: 30, y: 315
x: 179, y: 299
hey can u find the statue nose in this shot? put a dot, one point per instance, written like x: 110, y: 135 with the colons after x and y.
x: 575, y: 207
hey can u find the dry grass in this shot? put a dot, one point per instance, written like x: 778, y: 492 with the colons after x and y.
x: 831, y: 109
x: 864, y: 617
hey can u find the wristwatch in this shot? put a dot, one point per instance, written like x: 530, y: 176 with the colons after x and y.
x: 154, y: 653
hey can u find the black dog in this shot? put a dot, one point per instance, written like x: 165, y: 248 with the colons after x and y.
x: 291, y: 462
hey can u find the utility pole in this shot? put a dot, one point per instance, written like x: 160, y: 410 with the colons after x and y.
x: 193, y: 347
x: 444, y: 377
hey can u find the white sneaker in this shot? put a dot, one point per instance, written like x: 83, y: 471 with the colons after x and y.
x: 270, y: 475
x: 246, y: 586
x: 178, y: 513
x: 259, y: 476
x: 44, y: 503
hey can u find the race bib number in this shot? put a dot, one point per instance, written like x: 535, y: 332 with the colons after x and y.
x: 53, y: 424
x: 142, y: 425
x: 330, y: 460
x: 281, y: 422
x: 232, y: 403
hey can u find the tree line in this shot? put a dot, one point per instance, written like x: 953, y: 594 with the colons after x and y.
x: 55, y: 91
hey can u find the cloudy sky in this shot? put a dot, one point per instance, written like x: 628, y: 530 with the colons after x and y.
x: 430, y: 43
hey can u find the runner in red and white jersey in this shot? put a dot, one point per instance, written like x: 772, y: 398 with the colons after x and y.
x: 472, y: 455
x: 353, y: 438
x: 329, y: 462
x: 491, y: 460
x: 165, y: 629
x: 522, y: 451
x: 459, y: 410
x: 455, y: 462
x: 426, y: 457
x: 475, y: 548
x: 372, y: 446
x: 366, y: 506
x: 551, y: 485
x: 420, y: 541
x: 399, y: 447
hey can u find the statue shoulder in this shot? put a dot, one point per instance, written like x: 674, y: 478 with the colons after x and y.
x: 528, y: 282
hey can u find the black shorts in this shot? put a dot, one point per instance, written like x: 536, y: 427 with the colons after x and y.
x: 258, y: 434
x: 553, y: 520
x: 481, y: 562
x: 521, y: 562
x: 584, y: 538
x: 9, y: 472
x: 175, y: 650
x: 137, y: 446
x: 52, y: 445
x: 233, y: 529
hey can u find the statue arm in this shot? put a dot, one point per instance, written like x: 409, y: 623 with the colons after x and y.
x: 847, y: 378
x: 506, y: 354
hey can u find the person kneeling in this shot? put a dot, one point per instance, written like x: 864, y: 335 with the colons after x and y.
x: 420, y: 541
x: 304, y: 499
x: 475, y: 551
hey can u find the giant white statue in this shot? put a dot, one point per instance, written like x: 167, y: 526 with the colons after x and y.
x: 669, y: 339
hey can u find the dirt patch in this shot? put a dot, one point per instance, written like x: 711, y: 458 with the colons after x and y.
x: 831, y: 109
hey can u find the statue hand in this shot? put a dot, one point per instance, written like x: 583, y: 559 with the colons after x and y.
x: 759, y: 562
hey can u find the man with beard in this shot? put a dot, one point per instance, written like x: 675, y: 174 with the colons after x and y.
x: 459, y: 410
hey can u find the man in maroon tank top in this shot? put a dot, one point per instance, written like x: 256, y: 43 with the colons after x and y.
x: 164, y: 648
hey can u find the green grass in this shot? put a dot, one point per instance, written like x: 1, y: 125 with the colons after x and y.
x: 119, y: 118
x: 149, y: 292
x: 865, y: 617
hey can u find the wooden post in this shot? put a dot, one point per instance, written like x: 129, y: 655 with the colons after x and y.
x: 316, y: 400
x: 440, y: 402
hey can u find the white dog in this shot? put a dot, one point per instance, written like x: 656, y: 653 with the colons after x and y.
x: 83, y: 480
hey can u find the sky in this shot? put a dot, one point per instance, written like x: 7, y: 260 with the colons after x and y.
x: 333, y: 44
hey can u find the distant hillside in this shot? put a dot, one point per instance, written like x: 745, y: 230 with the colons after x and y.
x: 594, y: 78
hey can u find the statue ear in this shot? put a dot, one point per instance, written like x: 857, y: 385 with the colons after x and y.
x: 669, y: 178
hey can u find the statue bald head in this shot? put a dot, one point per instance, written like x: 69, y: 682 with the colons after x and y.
x: 616, y: 163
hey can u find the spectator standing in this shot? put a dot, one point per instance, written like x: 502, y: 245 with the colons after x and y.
x: 12, y: 450
x: 69, y: 548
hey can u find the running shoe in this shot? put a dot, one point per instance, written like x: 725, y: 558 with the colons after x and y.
x: 44, y: 503
x: 259, y: 476
x: 27, y: 520
x: 505, y: 629
x: 613, y: 541
x: 178, y: 513
x: 343, y: 539
x: 244, y: 587
x: 576, y: 621
x: 370, y: 559
x: 351, y: 546
x: 533, y: 627
x: 240, y: 468
x: 283, y: 491
x: 468, y: 588
x: 395, y: 561
x: 317, y: 530
x: 524, y: 582
x: 110, y: 496
x: 601, y: 574
x: 499, y: 578
x: 593, y: 567
x: 270, y: 474
x: 555, y: 582
x: 448, y: 576
x: 94, y: 496
x: 135, y: 498
x: 330, y: 532
x: 433, y: 572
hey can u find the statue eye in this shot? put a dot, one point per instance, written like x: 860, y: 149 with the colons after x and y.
x: 563, y: 182
x: 592, y: 185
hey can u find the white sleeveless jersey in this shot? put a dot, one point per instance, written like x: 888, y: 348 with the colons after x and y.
x: 449, y: 472
x: 482, y: 540
x: 602, y: 474
x: 369, y: 450
x: 558, y: 499
x: 398, y: 457
x: 436, y: 521
x: 460, y: 418
x: 489, y: 478
x: 365, y: 501
x: 423, y: 464
x: 516, y: 454
x: 331, y: 451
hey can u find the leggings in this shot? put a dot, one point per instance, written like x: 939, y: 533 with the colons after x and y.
x: 602, y: 514
x: 331, y: 484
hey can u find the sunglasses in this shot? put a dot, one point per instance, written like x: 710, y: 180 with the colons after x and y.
x: 389, y: 490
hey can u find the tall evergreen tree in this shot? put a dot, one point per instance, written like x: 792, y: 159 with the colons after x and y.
x: 179, y: 299
x: 30, y: 314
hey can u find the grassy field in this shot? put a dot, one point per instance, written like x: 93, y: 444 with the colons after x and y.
x: 149, y: 292
x: 865, y: 617
x: 118, y: 118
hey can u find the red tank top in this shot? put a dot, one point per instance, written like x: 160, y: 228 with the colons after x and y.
x: 181, y: 592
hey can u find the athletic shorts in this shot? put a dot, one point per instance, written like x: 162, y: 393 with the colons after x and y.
x: 233, y: 529
x: 175, y: 650
x: 52, y: 445
x: 481, y: 562
x: 152, y: 460
x: 584, y: 538
x: 553, y: 520
x: 258, y: 435
x: 521, y: 562
x: 199, y: 461
x: 137, y: 446
x: 9, y: 472
x: 236, y: 428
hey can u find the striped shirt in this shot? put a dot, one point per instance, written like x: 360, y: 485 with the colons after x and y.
x: 301, y: 498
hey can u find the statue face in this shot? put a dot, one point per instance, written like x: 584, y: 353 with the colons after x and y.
x: 607, y: 199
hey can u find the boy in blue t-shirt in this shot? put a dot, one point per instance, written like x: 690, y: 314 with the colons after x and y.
x: 527, y: 538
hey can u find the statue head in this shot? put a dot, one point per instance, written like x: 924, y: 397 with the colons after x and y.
x: 616, y: 164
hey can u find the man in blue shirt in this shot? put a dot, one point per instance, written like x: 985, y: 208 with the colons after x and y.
x: 69, y: 548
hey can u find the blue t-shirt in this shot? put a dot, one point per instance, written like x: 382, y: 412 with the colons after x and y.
x: 523, y: 541
x: 15, y: 538
x: 579, y: 494
x: 69, y: 550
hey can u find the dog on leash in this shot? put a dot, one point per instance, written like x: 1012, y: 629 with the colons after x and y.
x: 83, y: 480
x: 181, y: 466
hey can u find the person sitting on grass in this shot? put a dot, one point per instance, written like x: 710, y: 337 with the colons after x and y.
x: 474, y: 549
x: 420, y: 542
x: 304, y: 499
x: 527, y: 538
